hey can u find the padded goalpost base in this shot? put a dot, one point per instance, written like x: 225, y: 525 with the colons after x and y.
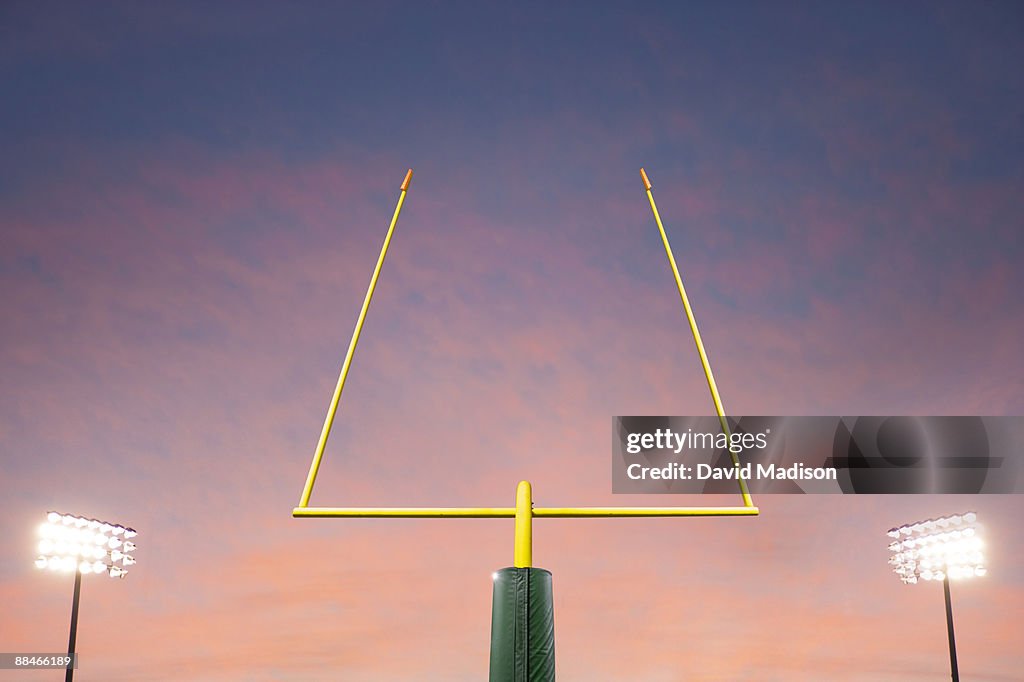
x: 522, y: 626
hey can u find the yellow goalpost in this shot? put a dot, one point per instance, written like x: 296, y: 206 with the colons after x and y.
x: 523, y: 512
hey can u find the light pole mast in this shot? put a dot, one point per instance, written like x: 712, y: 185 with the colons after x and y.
x: 949, y: 629
x: 70, y: 674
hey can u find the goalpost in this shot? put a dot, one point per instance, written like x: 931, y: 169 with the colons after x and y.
x: 522, y: 623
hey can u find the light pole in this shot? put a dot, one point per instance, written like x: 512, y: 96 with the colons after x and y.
x: 76, y: 544
x: 939, y: 549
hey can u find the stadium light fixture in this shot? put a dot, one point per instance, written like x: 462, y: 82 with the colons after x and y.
x: 83, y: 546
x: 949, y: 547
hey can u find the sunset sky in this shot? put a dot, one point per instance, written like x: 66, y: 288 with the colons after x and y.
x: 192, y: 199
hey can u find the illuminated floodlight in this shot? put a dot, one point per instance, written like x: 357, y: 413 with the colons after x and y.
x: 942, y: 549
x: 68, y: 542
x: 935, y: 549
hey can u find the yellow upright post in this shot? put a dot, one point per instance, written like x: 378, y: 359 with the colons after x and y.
x: 524, y: 526
x: 332, y: 410
x: 705, y: 363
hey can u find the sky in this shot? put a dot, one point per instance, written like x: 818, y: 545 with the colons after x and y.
x: 192, y: 199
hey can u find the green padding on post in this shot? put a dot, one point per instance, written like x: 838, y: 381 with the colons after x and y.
x: 522, y: 626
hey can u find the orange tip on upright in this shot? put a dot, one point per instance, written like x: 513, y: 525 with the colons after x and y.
x: 643, y: 176
x: 405, y: 183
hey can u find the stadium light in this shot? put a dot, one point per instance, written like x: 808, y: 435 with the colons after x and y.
x: 83, y: 546
x: 949, y: 547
